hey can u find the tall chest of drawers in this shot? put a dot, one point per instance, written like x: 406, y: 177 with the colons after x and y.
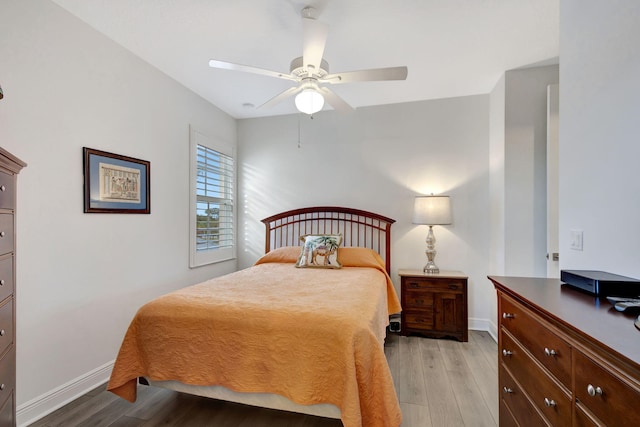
x: 10, y: 166
x: 565, y: 358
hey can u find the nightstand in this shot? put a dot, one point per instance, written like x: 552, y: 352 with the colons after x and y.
x: 434, y: 305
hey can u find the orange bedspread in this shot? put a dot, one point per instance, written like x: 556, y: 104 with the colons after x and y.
x: 311, y: 335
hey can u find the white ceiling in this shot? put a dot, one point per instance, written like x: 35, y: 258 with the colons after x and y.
x: 451, y: 47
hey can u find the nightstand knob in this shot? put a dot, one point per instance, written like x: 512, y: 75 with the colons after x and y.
x: 2, y: 234
x: 548, y: 352
x: 2, y: 332
x: 508, y: 315
x: 507, y: 390
x: 1, y: 387
x: 506, y: 353
x: 594, y: 390
x: 549, y: 402
x: 2, y: 188
x: 1, y: 282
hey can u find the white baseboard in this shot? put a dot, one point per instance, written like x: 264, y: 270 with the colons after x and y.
x: 484, y: 325
x: 46, y: 403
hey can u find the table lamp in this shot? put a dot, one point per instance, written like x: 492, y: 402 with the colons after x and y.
x: 431, y: 210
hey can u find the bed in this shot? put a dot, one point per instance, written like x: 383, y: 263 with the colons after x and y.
x: 307, y: 340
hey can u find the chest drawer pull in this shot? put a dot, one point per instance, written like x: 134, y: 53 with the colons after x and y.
x: 550, y: 352
x: 2, y: 282
x: 506, y: 352
x: 507, y: 390
x: 2, y: 188
x: 594, y: 390
x: 549, y: 403
x: 2, y: 234
x: 2, y: 332
x: 508, y: 315
x: 1, y: 387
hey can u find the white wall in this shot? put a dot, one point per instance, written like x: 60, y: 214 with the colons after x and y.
x: 80, y: 277
x: 599, y: 134
x: 378, y: 159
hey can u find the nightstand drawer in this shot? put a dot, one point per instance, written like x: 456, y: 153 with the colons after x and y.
x: 417, y: 299
x: 440, y: 285
x: 418, y: 320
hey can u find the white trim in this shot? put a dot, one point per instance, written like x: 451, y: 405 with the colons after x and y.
x: 197, y: 259
x: 48, y: 402
x: 484, y: 325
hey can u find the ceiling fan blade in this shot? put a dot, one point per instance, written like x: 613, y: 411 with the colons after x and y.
x: 374, y: 74
x: 335, y: 101
x: 314, y: 39
x: 214, y: 63
x: 281, y: 96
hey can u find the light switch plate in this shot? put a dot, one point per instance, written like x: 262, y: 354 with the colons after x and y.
x: 576, y: 240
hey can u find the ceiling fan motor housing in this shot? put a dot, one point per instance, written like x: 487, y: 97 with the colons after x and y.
x: 297, y: 69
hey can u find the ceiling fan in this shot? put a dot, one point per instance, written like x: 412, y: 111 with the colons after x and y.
x: 311, y: 71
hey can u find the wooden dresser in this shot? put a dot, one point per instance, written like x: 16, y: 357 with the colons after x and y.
x: 9, y: 168
x: 566, y: 358
x: 434, y: 305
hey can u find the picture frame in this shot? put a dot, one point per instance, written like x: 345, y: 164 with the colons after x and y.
x: 115, y: 184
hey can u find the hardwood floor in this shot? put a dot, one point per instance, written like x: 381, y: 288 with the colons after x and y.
x: 439, y: 383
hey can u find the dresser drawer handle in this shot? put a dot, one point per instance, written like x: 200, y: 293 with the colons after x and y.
x: 549, y: 403
x: 2, y: 332
x: 1, y: 282
x: 2, y: 188
x: 453, y: 287
x: 419, y: 301
x: 2, y: 234
x: 594, y: 390
x: 550, y: 352
x: 508, y: 315
x: 1, y: 387
x: 506, y: 353
x: 507, y: 390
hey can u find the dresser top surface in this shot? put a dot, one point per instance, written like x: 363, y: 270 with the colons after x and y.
x: 591, y: 317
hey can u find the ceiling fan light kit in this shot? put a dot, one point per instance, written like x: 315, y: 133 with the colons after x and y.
x: 310, y: 70
x: 309, y: 101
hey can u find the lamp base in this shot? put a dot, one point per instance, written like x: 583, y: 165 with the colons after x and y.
x: 431, y: 268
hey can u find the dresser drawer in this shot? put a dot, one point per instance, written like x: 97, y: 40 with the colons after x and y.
x: 547, y: 395
x: 7, y: 191
x: 614, y: 401
x: 7, y: 375
x: 520, y: 408
x: 6, y: 325
x: 6, y: 410
x: 583, y: 419
x: 6, y: 277
x: 6, y: 233
x: 439, y: 285
x: 549, y: 349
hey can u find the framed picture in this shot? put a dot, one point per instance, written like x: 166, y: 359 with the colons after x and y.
x: 115, y: 183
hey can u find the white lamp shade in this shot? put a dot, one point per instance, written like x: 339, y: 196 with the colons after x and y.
x: 309, y: 101
x: 432, y: 210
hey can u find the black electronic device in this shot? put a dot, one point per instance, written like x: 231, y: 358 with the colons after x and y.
x: 601, y: 283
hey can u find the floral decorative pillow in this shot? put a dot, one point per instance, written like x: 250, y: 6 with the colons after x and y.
x: 320, y: 251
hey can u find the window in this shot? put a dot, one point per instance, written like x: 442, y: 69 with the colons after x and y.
x: 212, y: 231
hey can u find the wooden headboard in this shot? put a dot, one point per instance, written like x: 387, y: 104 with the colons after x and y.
x: 358, y: 228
